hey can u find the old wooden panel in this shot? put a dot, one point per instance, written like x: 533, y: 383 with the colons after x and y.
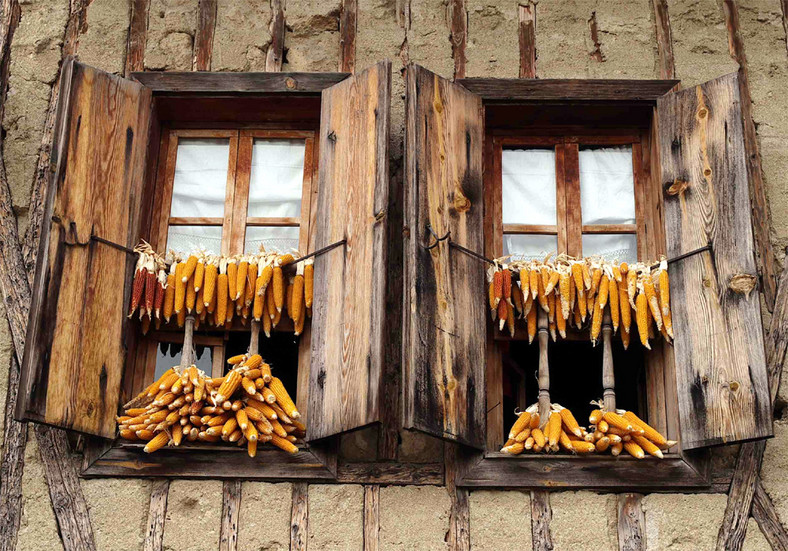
x: 541, y: 516
x: 350, y: 281
x: 74, y: 352
x: 723, y: 390
x: 631, y: 523
x: 512, y: 89
x: 175, y: 82
x: 444, y: 328
x: 299, y: 517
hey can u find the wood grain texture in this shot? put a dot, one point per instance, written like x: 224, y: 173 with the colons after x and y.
x: 231, y: 504
x: 138, y: 36
x: 765, y: 515
x: 444, y: 311
x: 527, y: 38
x: 177, y: 82
x: 390, y: 473
x: 12, y: 466
x: 777, y: 337
x: 631, y: 523
x: 761, y: 226
x: 541, y: 515
x: 75, y: 353
x: 371, y: 517
x: 350, y: 281
x: 512, y: 89
x: 737, y: 511
x: 299, y: 517
x: 157, y: 513
x: 667, y: 66
x: 459, y: 536
x: 275, y: 55
x: 203, y: 40
x: 458, y: 35
x: 723, y: 389
x: 348, y: 16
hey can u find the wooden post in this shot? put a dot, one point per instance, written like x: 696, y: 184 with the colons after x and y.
x: 544, y: 366
x: 254, y: 340
x: 608, y: 375
x: 187, y: 354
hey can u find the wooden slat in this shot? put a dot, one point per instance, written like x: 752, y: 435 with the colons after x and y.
x: 231, y: 503
x: 13, y: 463
x: 444, y: 331
x: 138, y: 36
x: 283, y: 221
x: 174, y: 82
x: 350, y: 281
x: 527, y: 39
x: 74, y: 354
x: 203, y: 40
x: 194, y: 221
x: 722, y: 382
x: 667, y: 68
x: 390, y: 473
x: 459, y: 536
x: 742, y: 491
x: 561, y: 211
x: 541, y: 515
x: 761, y: 227
x: 542, y: 229
x: 371, y: 517
x: 299, y: 517
x: 631, y: 523
x: 157, y: 513
x: 458, y: 34
x: 348, y: 15
x: 765, y: 514
x: 504, y: 89
x: 609, y: 228
x: 275, y: 55
x: 574, y: 212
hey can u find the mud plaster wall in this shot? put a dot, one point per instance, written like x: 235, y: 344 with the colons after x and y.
x: 410, y: 517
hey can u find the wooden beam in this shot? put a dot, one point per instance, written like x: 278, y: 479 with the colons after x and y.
x: 187, y: 82
x: 231, y: 504
x: 154, y: 535
x: 631, y: 523
x: 541, y: 515
x: 759, y: 205
x: 276, y: 50
x: 765, y: 515
x: 13, y: 463
x: 459, y: 536
x: 371, y: 517
x: 203, y: 40
x: 299, y: 517
x: 527, y: 35
x: 348, y: 16
x: 458, y: 34
x: 570, y: 90
x: 667, y: 66
x: 784, y: 6
x: 138, y: 36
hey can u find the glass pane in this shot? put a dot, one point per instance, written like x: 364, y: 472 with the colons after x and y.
x: 282, y: 239
x: 607, y: 185
x: 529, y: 246
x: 168, y: 354
x: 186, y: 239
x: 528, y: 179
x: 621, y: 247
x: 200, y: 177
x: 277, y: 178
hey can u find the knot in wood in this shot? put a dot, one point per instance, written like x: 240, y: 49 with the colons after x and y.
x: 734, y: 386
x: 702, y: 112
x: 742, y: 284
x: 291, y: 83
x: 461, y: 202
x: 677, y: 187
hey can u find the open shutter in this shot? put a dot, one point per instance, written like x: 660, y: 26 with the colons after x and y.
x: 74, y: 352
x: 721, y: 375
x: 350, y: 281
x: 444, y: 329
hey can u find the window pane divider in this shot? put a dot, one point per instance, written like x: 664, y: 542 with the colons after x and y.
x: 542, y: 229
x: 195, y: 221
x: 609, y: 228
x: 283, y: 221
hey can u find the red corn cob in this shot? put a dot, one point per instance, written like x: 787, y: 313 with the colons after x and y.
x: 158, y: 299
x: 150, y: 289
x: 140, y: 275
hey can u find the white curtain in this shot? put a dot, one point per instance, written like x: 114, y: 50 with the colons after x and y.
x: 200, y: 177
x: 281, y: 239
x: 186, y: 239
x: 528, y: 178
x: 277, y: 178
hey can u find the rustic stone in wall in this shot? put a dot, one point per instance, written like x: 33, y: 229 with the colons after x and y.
x: 171, y: 28
x: 242, y: 35
x: 194, y: 512
x: 102, y: 43
x: 573, y: 528
x: 414, y: 518
x: 336, y: 517
x: 428, y: 37
x: 683, y: 522
x: 562, y: 39
x: 118, y: 511
x: 626, y: 38
x: 35, y: 60
x: 493, y: 48
x: 500, y: 520
x: 312, y: 37
x: 38, y: 527
x: 700, y: 41
x: 264, y: 518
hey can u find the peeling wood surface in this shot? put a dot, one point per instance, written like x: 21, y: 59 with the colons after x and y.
x: 667, y: 66
x: 178, y: 82
x: 275, y: 55
x: 723, y: 390
x: 350, y: 281
x: 348, y: 17
x: 203, y: 40
x: 154, y: 536
x: 458, y: 35
x: 527, y: 38
x: 541, y: 515
x: 742, y: 490
x: 138, y: 36
x: 459, y: 536
x: 299, y: 517
x: 631, y: 523
x: 371, y: 517
x: 231, y: 503
x: 444, y: 328
x: 530, y: 90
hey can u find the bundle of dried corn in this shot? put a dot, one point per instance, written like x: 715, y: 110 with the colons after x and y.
x: 613, y: 431
x: 215, y: 289
x: 247, y: 406
x: 577, y: 292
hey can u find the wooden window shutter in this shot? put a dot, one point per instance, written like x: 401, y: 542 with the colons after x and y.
x: 75, y: 347
x: 723, y: 394
x: 350, y: 281
x: 444, y: 331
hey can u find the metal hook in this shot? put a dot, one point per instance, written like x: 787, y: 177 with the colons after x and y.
x: 437, y: 239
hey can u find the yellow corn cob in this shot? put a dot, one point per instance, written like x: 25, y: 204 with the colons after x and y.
x: 551, y: 301
x: 586, y: 275
x: 576, y: 314
x: 191, y: 295
x: 242, y: 419
x: 265, y: 369
x: 283, y: 398
x: 513, y: 449
x: 615, y: 420
x: 279, y: 288
x: 199, y: 275
x: 235, y: 360
x: 528, y: 303
x: 229, y: 386
x: 199, y: 303
x: 641, y: 312
x: 602, y: 444
x: 265, y: 273
x: 552, y: 282
x: 251, y: 282
x: 240, y: 280
x: 570, y: 422
x: 632, y: 278
x: 525, y: 282
x: 297, y: 300
x: 209, y: 282
x: 284, y: 444
x: 531, y: 325
x: 221, y: 297
x: 517, y: 300
x: 580, y: 294
x: 539, y: 438
x: 616, y: 273
x: 229, y: 427
x: 564, y: 288
x: 664, y: 300
x: 180, y: 288
x: 541, y: 296
x: 535, y: 420
x: 560, y: 324
x: 553, y: 429
x: 523, y: 435
x: 625, y: 334
x: 603, y: 426
x: 491, y: 298
x: 647, y: 445
x: 188, y: 268
x: 309, y: 283
x: 248, y: 386
x: 565, y: 442
x: 615, y: 449
x: 551, y: 326
x: 259, y: 301
x: 157, y: 442
x: 266, y: 322
x: 533, y: 276
x: 648, y: 431
x: 529, y: 443
x: 596, y: 278
x: 653, y: 301
x: 581, y: 446
x: 595, y: 416
x: 604, y: 288
x: 510, y: 319
x: 624, y: 306
x: 614, y: 306
x: 634, y: 450
x: 232, y: 279
x: 253, y: 362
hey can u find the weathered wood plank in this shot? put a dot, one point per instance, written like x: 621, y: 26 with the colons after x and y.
x: 299, y: 517
x: 444, y: 327
x: 777, y: 337
x: 765, y: 514
x: 742, y: 490
x: 721, y: 371
x: 541, y: 515
x: 512, y: 89
x: 390, y: 473
x: 761, y: 226
x: 175, y: 82
x: 371, y: 517
x: 667, y: 67
x: 348, y: 16
x: 274, y: 57
x: 527, y: 38
x: 231, y: 504
x: 203, y: 40
x: 350, y: 281
x: 138, y: 36
x: 68, y: 380
x: 458, y: 35
x: 459, y: 536
x: 154, y: 535
x: 631, y: 523
x: 13, y: 463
